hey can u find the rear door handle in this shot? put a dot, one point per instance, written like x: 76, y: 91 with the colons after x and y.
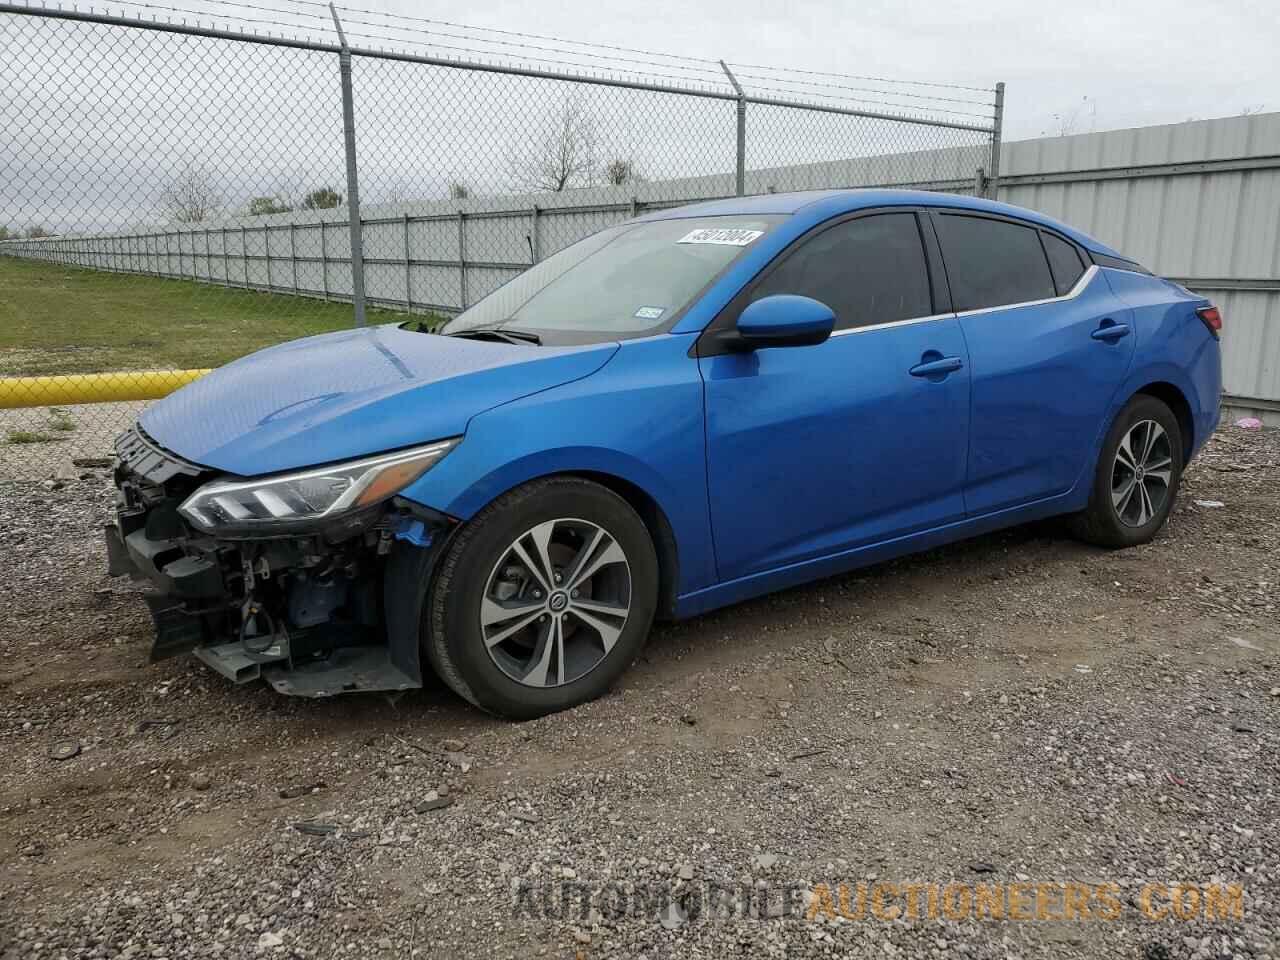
x: 939, y: 367
x: 1110, y: 332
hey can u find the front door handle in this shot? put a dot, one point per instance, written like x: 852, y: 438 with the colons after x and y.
x: 936, y: 368
x: 1110, y: 331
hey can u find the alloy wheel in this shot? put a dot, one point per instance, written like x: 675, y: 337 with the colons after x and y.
x: 1141, y: 474
x: 556, y: 602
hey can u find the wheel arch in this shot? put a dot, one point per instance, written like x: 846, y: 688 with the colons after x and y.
x: 642, y: 499
x: 1173, y: 398
x: 656, y: 522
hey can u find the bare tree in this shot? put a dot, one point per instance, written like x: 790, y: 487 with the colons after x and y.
x: 1068, y: 122
x: 1252, y: 109
x: 620, y: 172
x: 37, y: 231
x: 458, y: 190
x: 561, y: 153
x: 4, y: 233
x: 192, y: 196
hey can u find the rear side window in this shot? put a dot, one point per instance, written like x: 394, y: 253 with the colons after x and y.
x: 991, y: 263
x: 868, y: 270
x: 1064, y: 261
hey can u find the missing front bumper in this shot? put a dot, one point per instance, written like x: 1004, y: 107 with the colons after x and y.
x: 320, y: 644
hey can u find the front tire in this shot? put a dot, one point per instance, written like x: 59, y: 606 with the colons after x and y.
x: 1136, y: 480
x: 542, y: 599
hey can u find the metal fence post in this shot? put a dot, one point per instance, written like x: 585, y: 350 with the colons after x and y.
x: 993, y: 184
x: 226, y: 261
x: 462, y: 259
x: 408, y: 268
x: 535, y: 246
x: 353, y: 187
x: 740, y: 180
x: 293, y: 256
x: 324, y: 262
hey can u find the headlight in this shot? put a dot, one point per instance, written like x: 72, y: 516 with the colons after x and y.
x: 276, y: 504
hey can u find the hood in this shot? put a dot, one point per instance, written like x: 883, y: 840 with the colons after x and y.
x: 353, y: 393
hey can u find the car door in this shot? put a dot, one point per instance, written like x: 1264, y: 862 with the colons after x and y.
x: 1049, y: 346
x: 817, y: 449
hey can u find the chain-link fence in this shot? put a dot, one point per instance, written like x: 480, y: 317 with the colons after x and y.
x: 177, y: 194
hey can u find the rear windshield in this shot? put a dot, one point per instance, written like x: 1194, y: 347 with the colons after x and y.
x: 626, y: 281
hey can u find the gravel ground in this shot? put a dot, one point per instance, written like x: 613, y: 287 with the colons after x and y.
x: 1016, y: 709
x: 73, y: 432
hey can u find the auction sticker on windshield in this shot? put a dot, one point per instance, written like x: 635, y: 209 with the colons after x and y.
x: 729, y: 237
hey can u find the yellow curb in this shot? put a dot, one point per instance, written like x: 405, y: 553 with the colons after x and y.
x: 92, y: 387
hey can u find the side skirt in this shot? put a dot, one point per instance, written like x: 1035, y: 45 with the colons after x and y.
x: 807, y: 571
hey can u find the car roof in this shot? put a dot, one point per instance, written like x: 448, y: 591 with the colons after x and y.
x: 818, y: 205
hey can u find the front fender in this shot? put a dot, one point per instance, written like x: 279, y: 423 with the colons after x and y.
x: 639, y: 419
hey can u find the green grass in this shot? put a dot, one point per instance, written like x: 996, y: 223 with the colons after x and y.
x: 56, y: 319
x: 27, y: 436
x: 61, y: 420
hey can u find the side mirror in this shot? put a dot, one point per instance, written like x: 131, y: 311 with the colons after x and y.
x: 785, y: 320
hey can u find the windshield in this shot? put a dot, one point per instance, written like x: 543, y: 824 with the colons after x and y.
x: 622, y: 282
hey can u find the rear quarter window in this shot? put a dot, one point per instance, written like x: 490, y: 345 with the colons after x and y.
x: 1064, y: 262
x: 992, y: 263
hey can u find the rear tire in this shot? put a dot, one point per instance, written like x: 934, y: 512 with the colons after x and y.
x: 1136, y: 479
x: 542, y: 599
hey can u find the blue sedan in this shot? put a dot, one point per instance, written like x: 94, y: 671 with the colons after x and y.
x: 680, y: 412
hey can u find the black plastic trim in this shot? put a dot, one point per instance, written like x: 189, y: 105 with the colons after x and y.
x: 1118, y: 263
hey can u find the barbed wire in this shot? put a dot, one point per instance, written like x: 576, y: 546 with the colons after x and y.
x: 596, y: 50
x: 594, y: 61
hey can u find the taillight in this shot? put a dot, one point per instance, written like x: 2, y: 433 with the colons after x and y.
x: 1212, y: 318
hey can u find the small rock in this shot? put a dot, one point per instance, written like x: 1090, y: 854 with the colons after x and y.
x: 64, y: 749
x: 301, y: 790
x: 685, y: 872
x: 764, y: 861
x: 439, y: 803
x: 582, y: 936
x: 269, y: 941
x: 981, y: 866
x: 688, y: 719
x: 672, y: 917
x: 316, y: 829
x: 453, y: 746
x: 460, y: 760
x: 525, y: 817
x: 201, y: 780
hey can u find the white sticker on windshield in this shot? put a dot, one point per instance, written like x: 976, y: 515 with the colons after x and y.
x: 730, y: 237
x: 650, y: 313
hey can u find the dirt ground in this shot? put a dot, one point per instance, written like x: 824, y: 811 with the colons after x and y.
x: 1012, y: 711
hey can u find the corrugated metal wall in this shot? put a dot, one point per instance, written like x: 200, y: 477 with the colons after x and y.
x: 1196, y: 201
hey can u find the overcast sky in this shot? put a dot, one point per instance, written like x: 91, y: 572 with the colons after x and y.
x: 1138, y: 61
x: 97, y: 123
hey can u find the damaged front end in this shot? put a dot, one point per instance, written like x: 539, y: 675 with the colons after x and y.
x: 283, y: 578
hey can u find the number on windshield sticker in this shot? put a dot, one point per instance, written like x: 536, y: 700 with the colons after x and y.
x: 730, y: 237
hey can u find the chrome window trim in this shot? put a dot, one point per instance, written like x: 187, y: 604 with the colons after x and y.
x: 1085, y: 278
x: 1071, y: 294
x: 891, y: 323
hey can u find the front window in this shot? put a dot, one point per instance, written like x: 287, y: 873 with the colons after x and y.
x: 626, y: 281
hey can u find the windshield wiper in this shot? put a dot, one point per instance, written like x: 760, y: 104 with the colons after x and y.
x: 502, y: 336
